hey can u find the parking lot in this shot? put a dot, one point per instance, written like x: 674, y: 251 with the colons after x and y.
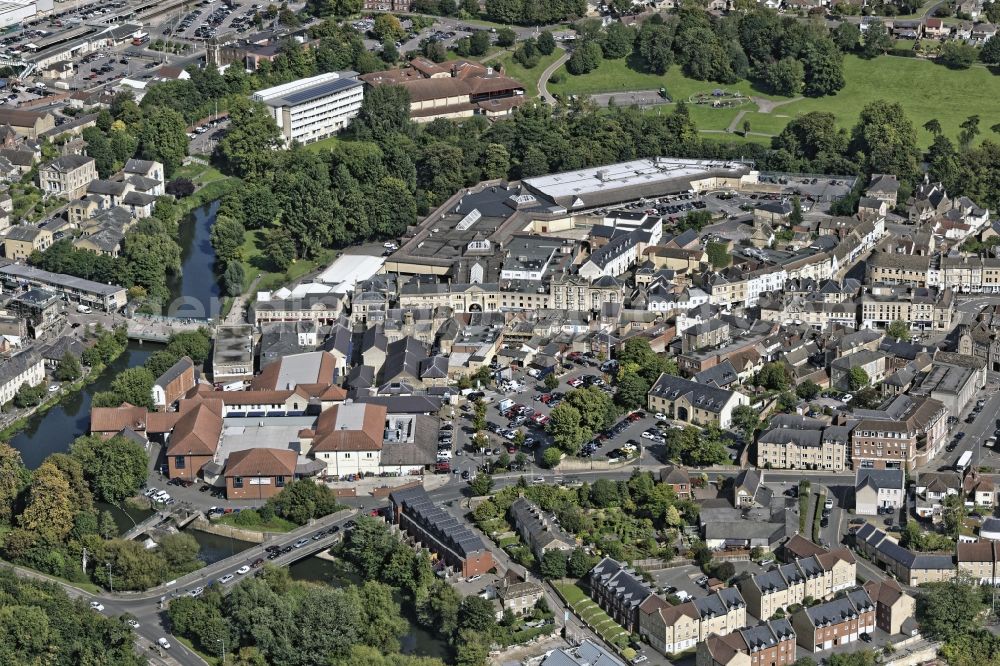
x: 209, y: 20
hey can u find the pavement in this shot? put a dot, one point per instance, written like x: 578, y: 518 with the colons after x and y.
x: 543, y: 80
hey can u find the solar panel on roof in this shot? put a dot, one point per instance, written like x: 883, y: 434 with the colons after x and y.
x: 315, y: 92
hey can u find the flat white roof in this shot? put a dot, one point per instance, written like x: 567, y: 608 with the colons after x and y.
x: 348, y: 270
x: 625, y: 174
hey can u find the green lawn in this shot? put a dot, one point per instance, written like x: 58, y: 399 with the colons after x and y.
x: 201, y: 174
x: 587, y: 609
x: 924, y: 89
x: 323, y: 144
x: 614, y: 75
x: 276, y: 524
x: 254, y: 263
x: 529, y: 77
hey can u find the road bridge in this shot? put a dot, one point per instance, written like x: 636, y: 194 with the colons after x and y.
x: 159, y: 329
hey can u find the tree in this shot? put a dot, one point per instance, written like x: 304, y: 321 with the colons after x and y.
x: 773, y: 376
x: 253, y: 135
x: 68, y: 369
x: 951, y: 609
x: 506, y: 37
x: 824, y: 68
x: 388, y: 28
x: 551, y: 381
x: 746, y: 128
x: 579, y: 563
x: 632, y: 391
x: 990, y: 53
x: 955, y: 54
x: 279, y: 248
x: 14, y: 478
x: 553, y: 564
x: 232, y: 278
x: 28, y: 395
x: 586, y: 58
x: 718, y: 253
x: 784, y: 77
x: 898, y: 329
x: 807, y: 390
x: 196, y: 344
x: 48, y: 511
x: 479, y: 43
x: 970, y: 130
x: 227, y: 238
x: 482, y: 484
x: 115, y: 468
x: 795, y: 218
x: 107, y: 527
x: 496, y: 161
x: 617, y: 40
x: 745, y: 420
x: 163, y: 137
x: 567, y: 429
x: 877, y: 41
x: 933, y: 126
x: 390, y: 53
x: 954, y: 515
x: 654, y: 44
x: 135, y: 386
x: 476, y: 613
x: 545, y: 43
x: 551, y: 457
x: 887, y: 140
x: 302, y: 500
x: 857, y: 378
x: 847, y: 36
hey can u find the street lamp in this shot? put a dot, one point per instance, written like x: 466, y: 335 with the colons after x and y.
x: 111, y: 580
x: 223, y: 642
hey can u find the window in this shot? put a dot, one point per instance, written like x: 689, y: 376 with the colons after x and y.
x: 279, y: 481
x: 347, y: 456
x: 237, y: 482
x: 179, y: 462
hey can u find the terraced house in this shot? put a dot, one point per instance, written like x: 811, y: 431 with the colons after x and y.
x: 836, y: 622
x: 672, y: 629
x: 767, y: 644
x: 818, y: 576
x: 619, y: 591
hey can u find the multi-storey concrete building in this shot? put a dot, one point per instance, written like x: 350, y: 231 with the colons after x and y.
x: 314, y: 108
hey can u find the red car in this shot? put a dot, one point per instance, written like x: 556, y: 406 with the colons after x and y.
x: 545, y: 398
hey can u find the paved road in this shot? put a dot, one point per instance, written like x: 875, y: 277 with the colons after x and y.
x: 148, y: 607
x: 543, y: 80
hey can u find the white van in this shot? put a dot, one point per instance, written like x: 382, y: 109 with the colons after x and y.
x: 83, y: 308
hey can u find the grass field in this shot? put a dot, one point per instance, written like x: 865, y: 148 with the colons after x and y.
x: 586, y: 608
x: 529, y: 77
x: 924, y: 89
x: 255, y: 262
x: 276, y: 524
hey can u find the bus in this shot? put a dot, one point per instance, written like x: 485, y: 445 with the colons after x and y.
x: 962, y: 465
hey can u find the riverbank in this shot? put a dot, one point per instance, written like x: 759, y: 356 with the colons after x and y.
x: 53, y: 429
x: 203, y: 525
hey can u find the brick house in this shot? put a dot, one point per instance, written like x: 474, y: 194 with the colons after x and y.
x: 834, y: 623
x: 259, y: 473
x: 766, y: 644
x: 173, y: 384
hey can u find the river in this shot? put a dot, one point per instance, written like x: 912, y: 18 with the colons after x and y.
x: 53, y: 431
x: 196, y: 292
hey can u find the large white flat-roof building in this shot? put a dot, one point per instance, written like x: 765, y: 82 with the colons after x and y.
x: 15, y: 11
x: 314, y: 108
x: 651, y: 177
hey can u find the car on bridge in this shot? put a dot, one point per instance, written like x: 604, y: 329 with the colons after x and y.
x: 245, y: 569
x: 225, y: 579
x: 301, y: 542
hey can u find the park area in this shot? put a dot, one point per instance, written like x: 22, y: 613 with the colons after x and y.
x: 591, y: 613
x: 925, y: 90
